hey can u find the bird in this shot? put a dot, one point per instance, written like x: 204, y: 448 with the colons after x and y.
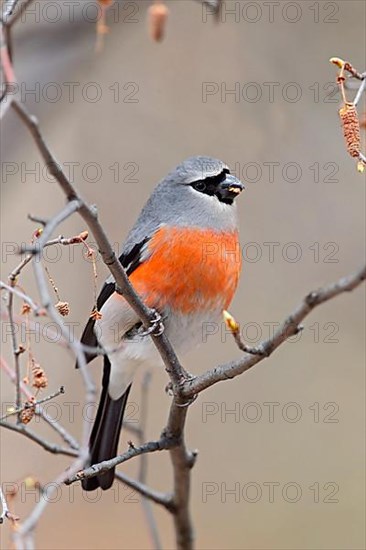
x: 183, y: 258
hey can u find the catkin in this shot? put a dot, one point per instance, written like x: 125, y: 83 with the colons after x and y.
x: 351, y: 128
x: 158, y: 14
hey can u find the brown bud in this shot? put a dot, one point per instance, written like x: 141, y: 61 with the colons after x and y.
x: 90, y: 253
x: 79, y: 238
x: 63, y: 308
x: 27, y: 413
x: 337, y: 61
x: 351, y: 128
x: 25, y: 309
x: 230, y: 321
x: 39, y: 378
x: 158, y: 14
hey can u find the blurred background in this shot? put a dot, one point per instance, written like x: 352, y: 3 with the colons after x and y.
x: 285, y: 468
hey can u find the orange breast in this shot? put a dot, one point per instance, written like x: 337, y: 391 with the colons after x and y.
x: 189, y: 269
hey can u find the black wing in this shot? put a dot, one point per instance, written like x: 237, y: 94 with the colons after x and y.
x: 130, y: 262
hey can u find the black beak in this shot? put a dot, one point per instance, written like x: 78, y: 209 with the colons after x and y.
x: 230, y: 188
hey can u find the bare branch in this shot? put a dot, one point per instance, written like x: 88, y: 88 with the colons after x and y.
x: 39, y: 411
x: 288, y: 328
x: 60, y: 430
x: 37, y: 310
x: 33, y: 404
x: 95, y: 469
x: 360, y: 91
x: 163, y: 499
x: 123, y: 285
x: 59, y: 240
x: 8, y: 9
x: 142, y: 477
x: 348, y: 112
x: 182, y: 462
x: 16, y: 11
x: 18, y: 320
x: 16, y: 353
x: 356, y: 74
x: 184, y: 388
x: 74, y: 345
x: 51, y: 225
x: 26, y: 529
x: 7, y: 70
x: 50, y: 447
x: 213, y: 4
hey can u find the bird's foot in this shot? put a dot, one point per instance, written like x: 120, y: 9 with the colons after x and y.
x: 156, y: 325
x: 169, y: 389
x: 186, y: 377
x: 266, y: 348
x: 256, y: 350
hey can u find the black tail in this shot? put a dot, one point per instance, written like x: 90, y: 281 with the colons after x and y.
x: 104, y: 438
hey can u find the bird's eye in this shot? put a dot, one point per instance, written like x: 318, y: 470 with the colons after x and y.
x: 200, y: 186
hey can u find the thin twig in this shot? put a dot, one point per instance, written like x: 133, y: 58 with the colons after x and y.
x: 142, y: 476
x: 360, y: 91
x: 26, y: 529
x: 39, y: 411
x: 182, y: 462
x: 7, y: 70
x: 288, y: 328
x: 33, y: 405
x: 18, y: 13
x: 184, y: 389
x: 51, y: 225
x: 213, y: 4
x: 95, y: 469
x: 37, y: 310
x: 16, y: 353
x: 74, y: 345
x: 356, y: 74
x: 58, y: 240
x: 123, y: 285
x: 18, y: 320
x: 8, y: 9
x: 48, y: 446
x: 162, y: 499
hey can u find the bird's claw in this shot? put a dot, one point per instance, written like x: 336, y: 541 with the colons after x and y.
x: 186, y: 377
x: 256, y: 351
x: 169, y: 389
x: 156, y: 326
x: 187, y: 403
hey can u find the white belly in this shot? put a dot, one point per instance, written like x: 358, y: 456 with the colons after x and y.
x: 184, y: 333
